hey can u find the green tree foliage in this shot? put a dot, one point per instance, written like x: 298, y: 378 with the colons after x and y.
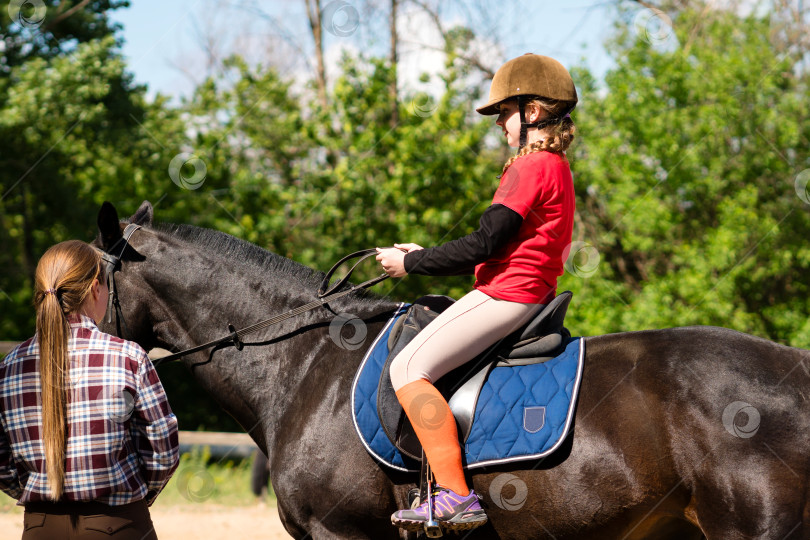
x: 51, y: 28
x: 75, y: 131
x: 686, y: 182
x: 314, y: 184
x: 74, y: 134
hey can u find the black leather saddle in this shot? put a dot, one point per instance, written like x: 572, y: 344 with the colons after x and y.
x: 540, y: 340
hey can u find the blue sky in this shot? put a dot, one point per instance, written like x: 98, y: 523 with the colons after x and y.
x: 163, y: 39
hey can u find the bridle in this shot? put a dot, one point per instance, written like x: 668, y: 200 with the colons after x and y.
x: 113, y: 263
x: 326, y: 293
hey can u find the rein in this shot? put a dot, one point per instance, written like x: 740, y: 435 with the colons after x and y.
x: 326, y: 294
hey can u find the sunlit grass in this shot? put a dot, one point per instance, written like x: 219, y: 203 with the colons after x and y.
x: 198, y: 480
x: 201, y: 479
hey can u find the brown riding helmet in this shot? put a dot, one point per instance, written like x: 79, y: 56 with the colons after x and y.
x: 530, y: 75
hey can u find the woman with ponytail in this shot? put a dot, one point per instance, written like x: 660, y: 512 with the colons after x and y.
x: 87, y: 438
x: 516, y: 256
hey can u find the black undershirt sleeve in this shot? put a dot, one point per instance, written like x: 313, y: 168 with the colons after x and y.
x: 497, y: 226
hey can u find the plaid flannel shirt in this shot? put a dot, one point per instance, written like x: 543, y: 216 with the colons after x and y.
x: 122, y: 436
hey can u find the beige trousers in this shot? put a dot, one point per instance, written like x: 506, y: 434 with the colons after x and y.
x: 459, y: 334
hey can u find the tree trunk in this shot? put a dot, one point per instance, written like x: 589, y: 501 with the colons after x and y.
x: 29, y: 259
x: 314, y: 15
x: 393, y: 60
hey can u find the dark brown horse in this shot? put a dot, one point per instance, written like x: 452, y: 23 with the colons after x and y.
x: 679, y: 433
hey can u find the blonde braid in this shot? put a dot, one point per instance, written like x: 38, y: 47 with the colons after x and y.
x: 558, y: 136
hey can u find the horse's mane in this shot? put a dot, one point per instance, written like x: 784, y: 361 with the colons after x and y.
x: 242, y: 251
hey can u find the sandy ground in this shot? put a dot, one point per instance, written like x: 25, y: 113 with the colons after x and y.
x: 199, y: 521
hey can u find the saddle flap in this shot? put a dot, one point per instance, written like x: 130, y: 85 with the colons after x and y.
x: 463, y: 401
x: 394, y: 422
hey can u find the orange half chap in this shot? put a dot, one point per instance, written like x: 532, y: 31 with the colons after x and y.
x: 436, y: 429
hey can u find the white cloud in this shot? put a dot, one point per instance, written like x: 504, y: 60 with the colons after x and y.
x: 421, y: 53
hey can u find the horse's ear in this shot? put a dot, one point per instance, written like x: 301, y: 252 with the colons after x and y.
x: 109, y: 231
x: 144, y: 214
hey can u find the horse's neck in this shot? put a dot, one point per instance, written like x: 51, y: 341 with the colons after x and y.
x: 259, y: 384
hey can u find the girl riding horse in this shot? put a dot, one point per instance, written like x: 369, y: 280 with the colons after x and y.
x: 516, y: 256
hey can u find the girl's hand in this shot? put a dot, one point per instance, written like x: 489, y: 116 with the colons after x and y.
x: 407, y: 248
x: 393, y: 260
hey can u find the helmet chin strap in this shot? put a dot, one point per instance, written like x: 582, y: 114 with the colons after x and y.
x: 539, y: 124
x: 524, y: 127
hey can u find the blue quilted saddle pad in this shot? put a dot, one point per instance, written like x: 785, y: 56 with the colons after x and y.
x: 522, y: 413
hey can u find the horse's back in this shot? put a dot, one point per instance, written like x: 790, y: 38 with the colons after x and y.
x: 720, y: 417
x: 704, y: 366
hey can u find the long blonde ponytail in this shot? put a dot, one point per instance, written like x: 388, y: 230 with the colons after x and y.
x: 64, y: 277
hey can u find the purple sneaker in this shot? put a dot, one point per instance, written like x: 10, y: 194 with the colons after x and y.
x: 453, y: 512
